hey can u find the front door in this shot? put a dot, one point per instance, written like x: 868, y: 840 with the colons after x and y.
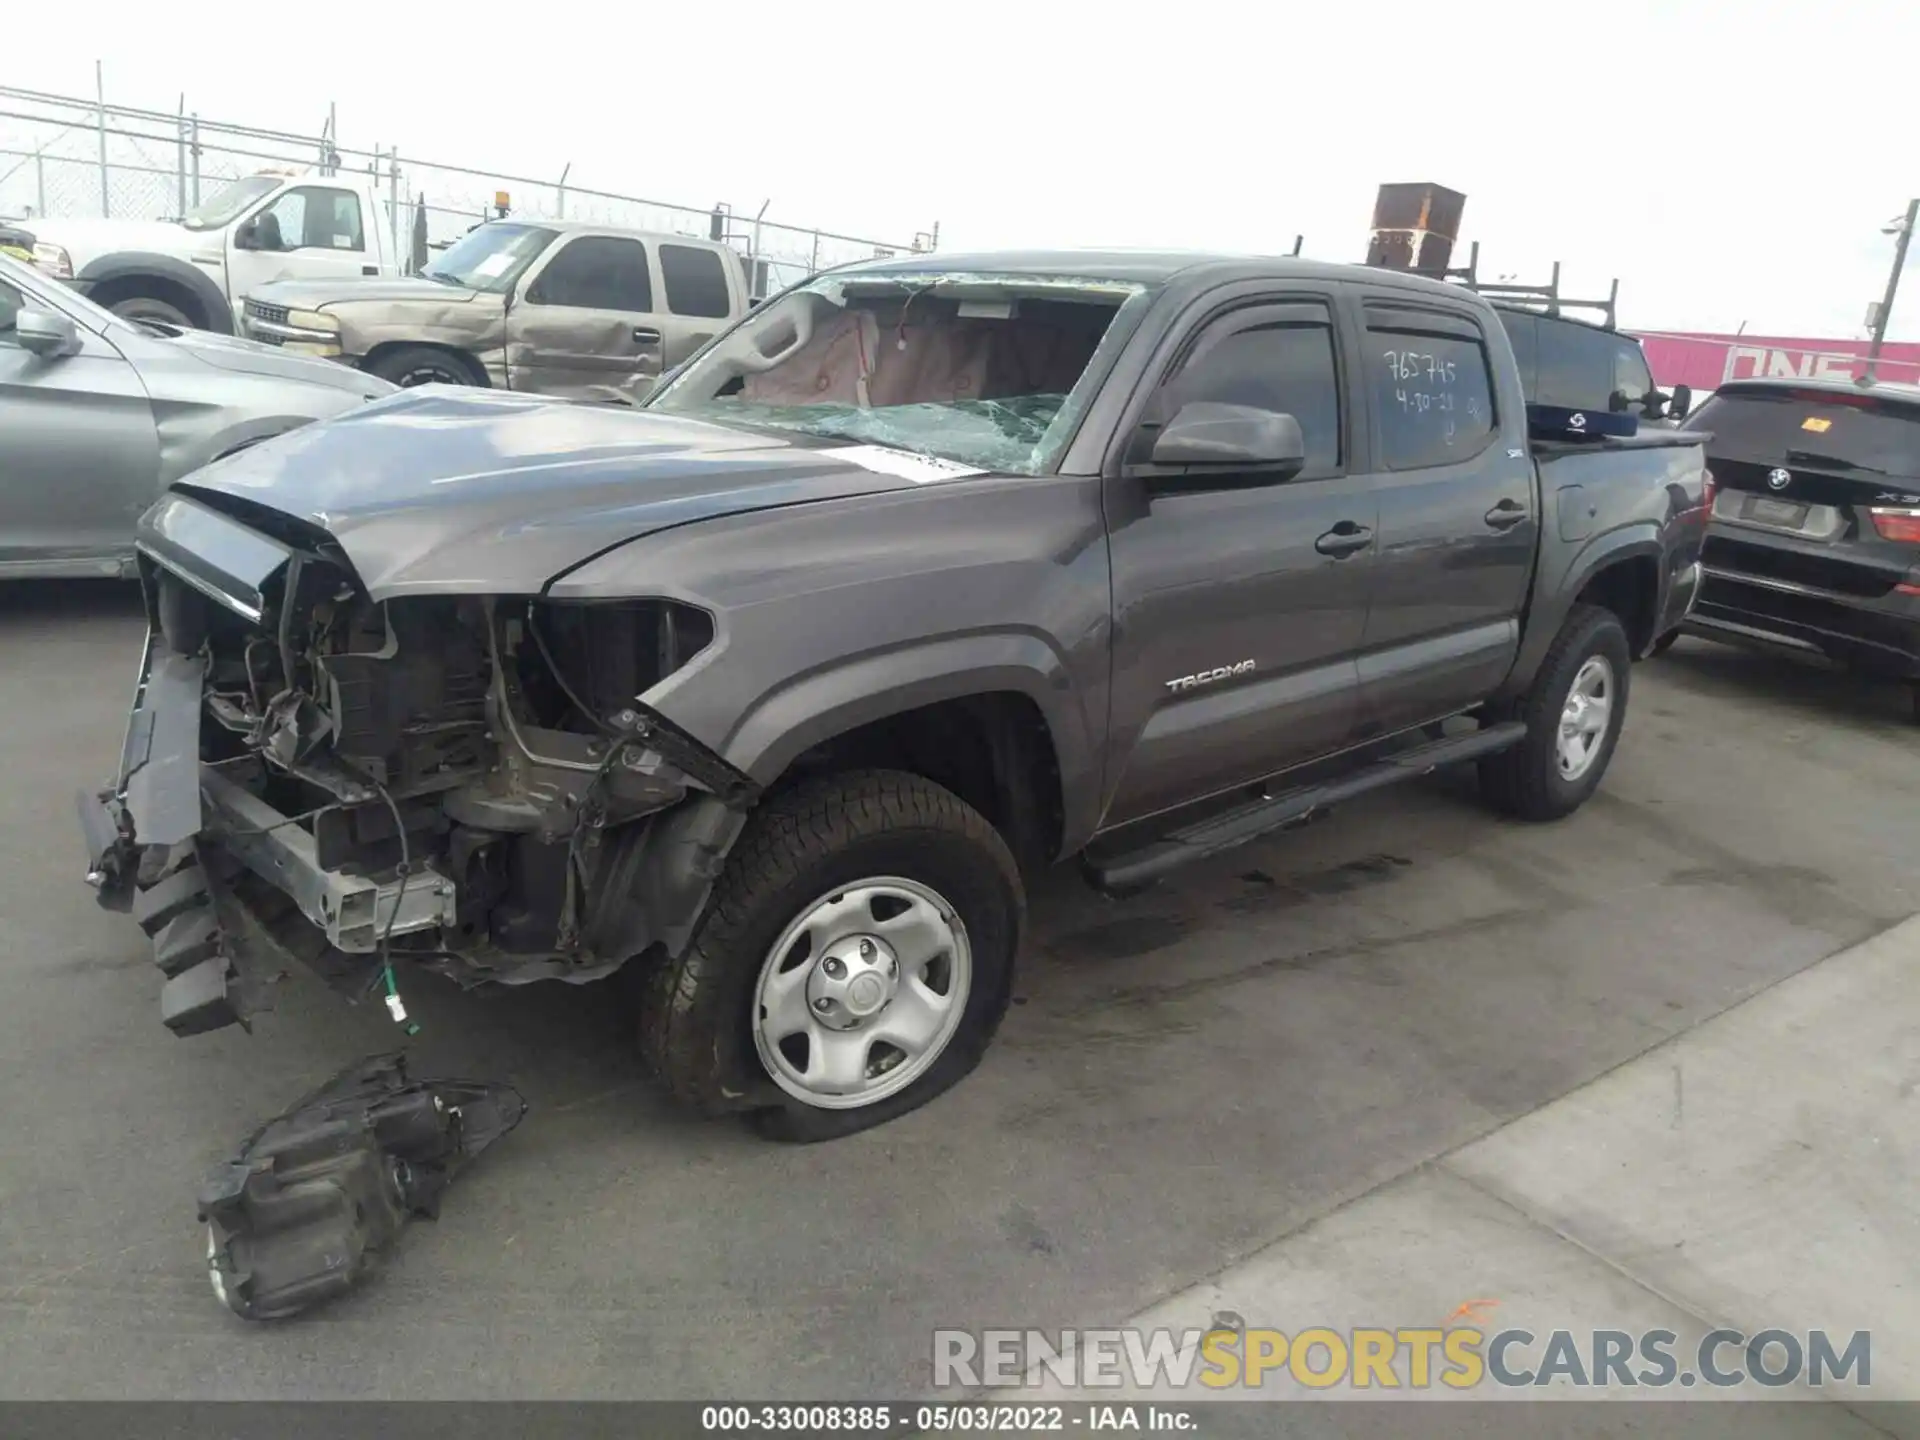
x: 81, y: 456
x: 582, y: 322
x: 1459, y: 522
x: 306, y: 232
x: 1238, y: 609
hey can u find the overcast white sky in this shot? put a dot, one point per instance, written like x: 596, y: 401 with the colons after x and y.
x: 1727, y: 169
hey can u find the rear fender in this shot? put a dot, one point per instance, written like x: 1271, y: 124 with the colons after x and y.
x: 1565, y: 571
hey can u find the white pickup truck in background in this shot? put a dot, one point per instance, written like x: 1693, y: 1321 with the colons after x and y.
x: 195, y: 271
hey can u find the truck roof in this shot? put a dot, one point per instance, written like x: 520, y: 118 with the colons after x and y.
x: 1145, y: 267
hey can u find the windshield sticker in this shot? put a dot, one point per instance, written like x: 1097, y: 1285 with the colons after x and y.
x: 920, y: 469
x: 494, y: 264
x: 1817, y: 424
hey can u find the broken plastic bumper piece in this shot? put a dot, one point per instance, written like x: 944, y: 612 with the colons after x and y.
x: 315, y: 1199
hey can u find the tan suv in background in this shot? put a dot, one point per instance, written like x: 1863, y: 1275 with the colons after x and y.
x: 560, y: 308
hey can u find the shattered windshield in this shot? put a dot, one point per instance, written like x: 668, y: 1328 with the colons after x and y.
x: 985, y: 371
x: 225, y: 204
x: 490, y: 257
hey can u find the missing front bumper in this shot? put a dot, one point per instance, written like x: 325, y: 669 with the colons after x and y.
x: 175, y: 838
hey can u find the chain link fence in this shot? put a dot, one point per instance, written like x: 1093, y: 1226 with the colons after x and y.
x: 70, y: 157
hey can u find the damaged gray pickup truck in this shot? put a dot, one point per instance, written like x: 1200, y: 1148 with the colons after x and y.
x: 923, y: 576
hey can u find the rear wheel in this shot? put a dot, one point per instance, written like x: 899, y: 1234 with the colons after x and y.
x: 411, y: 365
x: 1573, y: 715
x: 854, y: 963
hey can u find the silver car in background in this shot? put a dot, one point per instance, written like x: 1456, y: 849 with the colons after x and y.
x: 99, y: 414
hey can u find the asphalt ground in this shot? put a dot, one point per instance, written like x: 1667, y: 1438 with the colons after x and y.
x: 1186, y: 1076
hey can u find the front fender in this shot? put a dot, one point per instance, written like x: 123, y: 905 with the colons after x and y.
x: 786, y: 723
x: 124, y: 263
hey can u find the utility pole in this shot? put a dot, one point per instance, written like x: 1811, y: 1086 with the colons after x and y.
x: 1881, y: 315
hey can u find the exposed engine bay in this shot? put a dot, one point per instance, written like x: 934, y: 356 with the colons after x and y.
x: 446, y: 780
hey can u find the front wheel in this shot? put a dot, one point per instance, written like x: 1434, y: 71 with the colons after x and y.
x: 1573, y: 714
x: 412, y: 365
x: 855, y: 961
x: 145, y: 307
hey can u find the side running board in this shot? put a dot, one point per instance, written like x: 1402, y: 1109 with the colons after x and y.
x: 1120, y: 874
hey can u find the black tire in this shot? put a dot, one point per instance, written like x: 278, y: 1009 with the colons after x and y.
x: 697, y: 1013
x: 1526, y: 781
x: 412, y: 365
x: 145, y: 307
x: 1663, y: 644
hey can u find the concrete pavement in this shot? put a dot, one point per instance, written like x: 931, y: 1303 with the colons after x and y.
x: 1188, y: 1077
x: 1755, y: 1173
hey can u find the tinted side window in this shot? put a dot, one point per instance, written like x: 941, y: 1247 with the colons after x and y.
x: 11, y: 303
x: 1433, y: 394
x: 597, y: 272
x: 1286, y: 366
x: 696, y: 285
x: 1576, y: 366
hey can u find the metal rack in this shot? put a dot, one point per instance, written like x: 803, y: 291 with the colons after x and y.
x: 1546, y: 299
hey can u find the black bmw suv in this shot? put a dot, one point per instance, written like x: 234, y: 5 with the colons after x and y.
x: 1815, y: 538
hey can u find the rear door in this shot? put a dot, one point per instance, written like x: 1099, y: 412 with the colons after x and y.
x: 1459, y: 524
x: 1238, y: 608
x: 583, y: 319
x: 79, y: 454
x: 1817, y: 488
x: 699, y: 297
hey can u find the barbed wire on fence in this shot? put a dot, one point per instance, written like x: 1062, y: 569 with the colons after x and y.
x: 66, y: 157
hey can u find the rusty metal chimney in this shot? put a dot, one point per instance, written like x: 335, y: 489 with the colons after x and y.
x: 1414, y: 227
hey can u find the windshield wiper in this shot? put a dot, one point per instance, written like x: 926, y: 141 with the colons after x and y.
x: 1834, y: 462
x: 441, y: 277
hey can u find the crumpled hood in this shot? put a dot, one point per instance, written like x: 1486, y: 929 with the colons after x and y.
x: 250, y: 357
x: 349, y: 289
x: 449, y: 490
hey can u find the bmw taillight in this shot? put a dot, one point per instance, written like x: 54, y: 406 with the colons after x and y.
x: 1896, y: 524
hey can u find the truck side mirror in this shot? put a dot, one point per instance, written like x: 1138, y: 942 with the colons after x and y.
x: 247, y: 235
x: 1206, y: 432
x: 1680, y: 402
x: 46, y: 334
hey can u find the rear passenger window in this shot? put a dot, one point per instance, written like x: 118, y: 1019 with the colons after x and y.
x: 1432, y: 394
x: 1286, y: 366
x: 696, y: 284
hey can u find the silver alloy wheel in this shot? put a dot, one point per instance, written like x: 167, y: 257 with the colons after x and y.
x: 1584, y: 718
x: 862, y: 992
